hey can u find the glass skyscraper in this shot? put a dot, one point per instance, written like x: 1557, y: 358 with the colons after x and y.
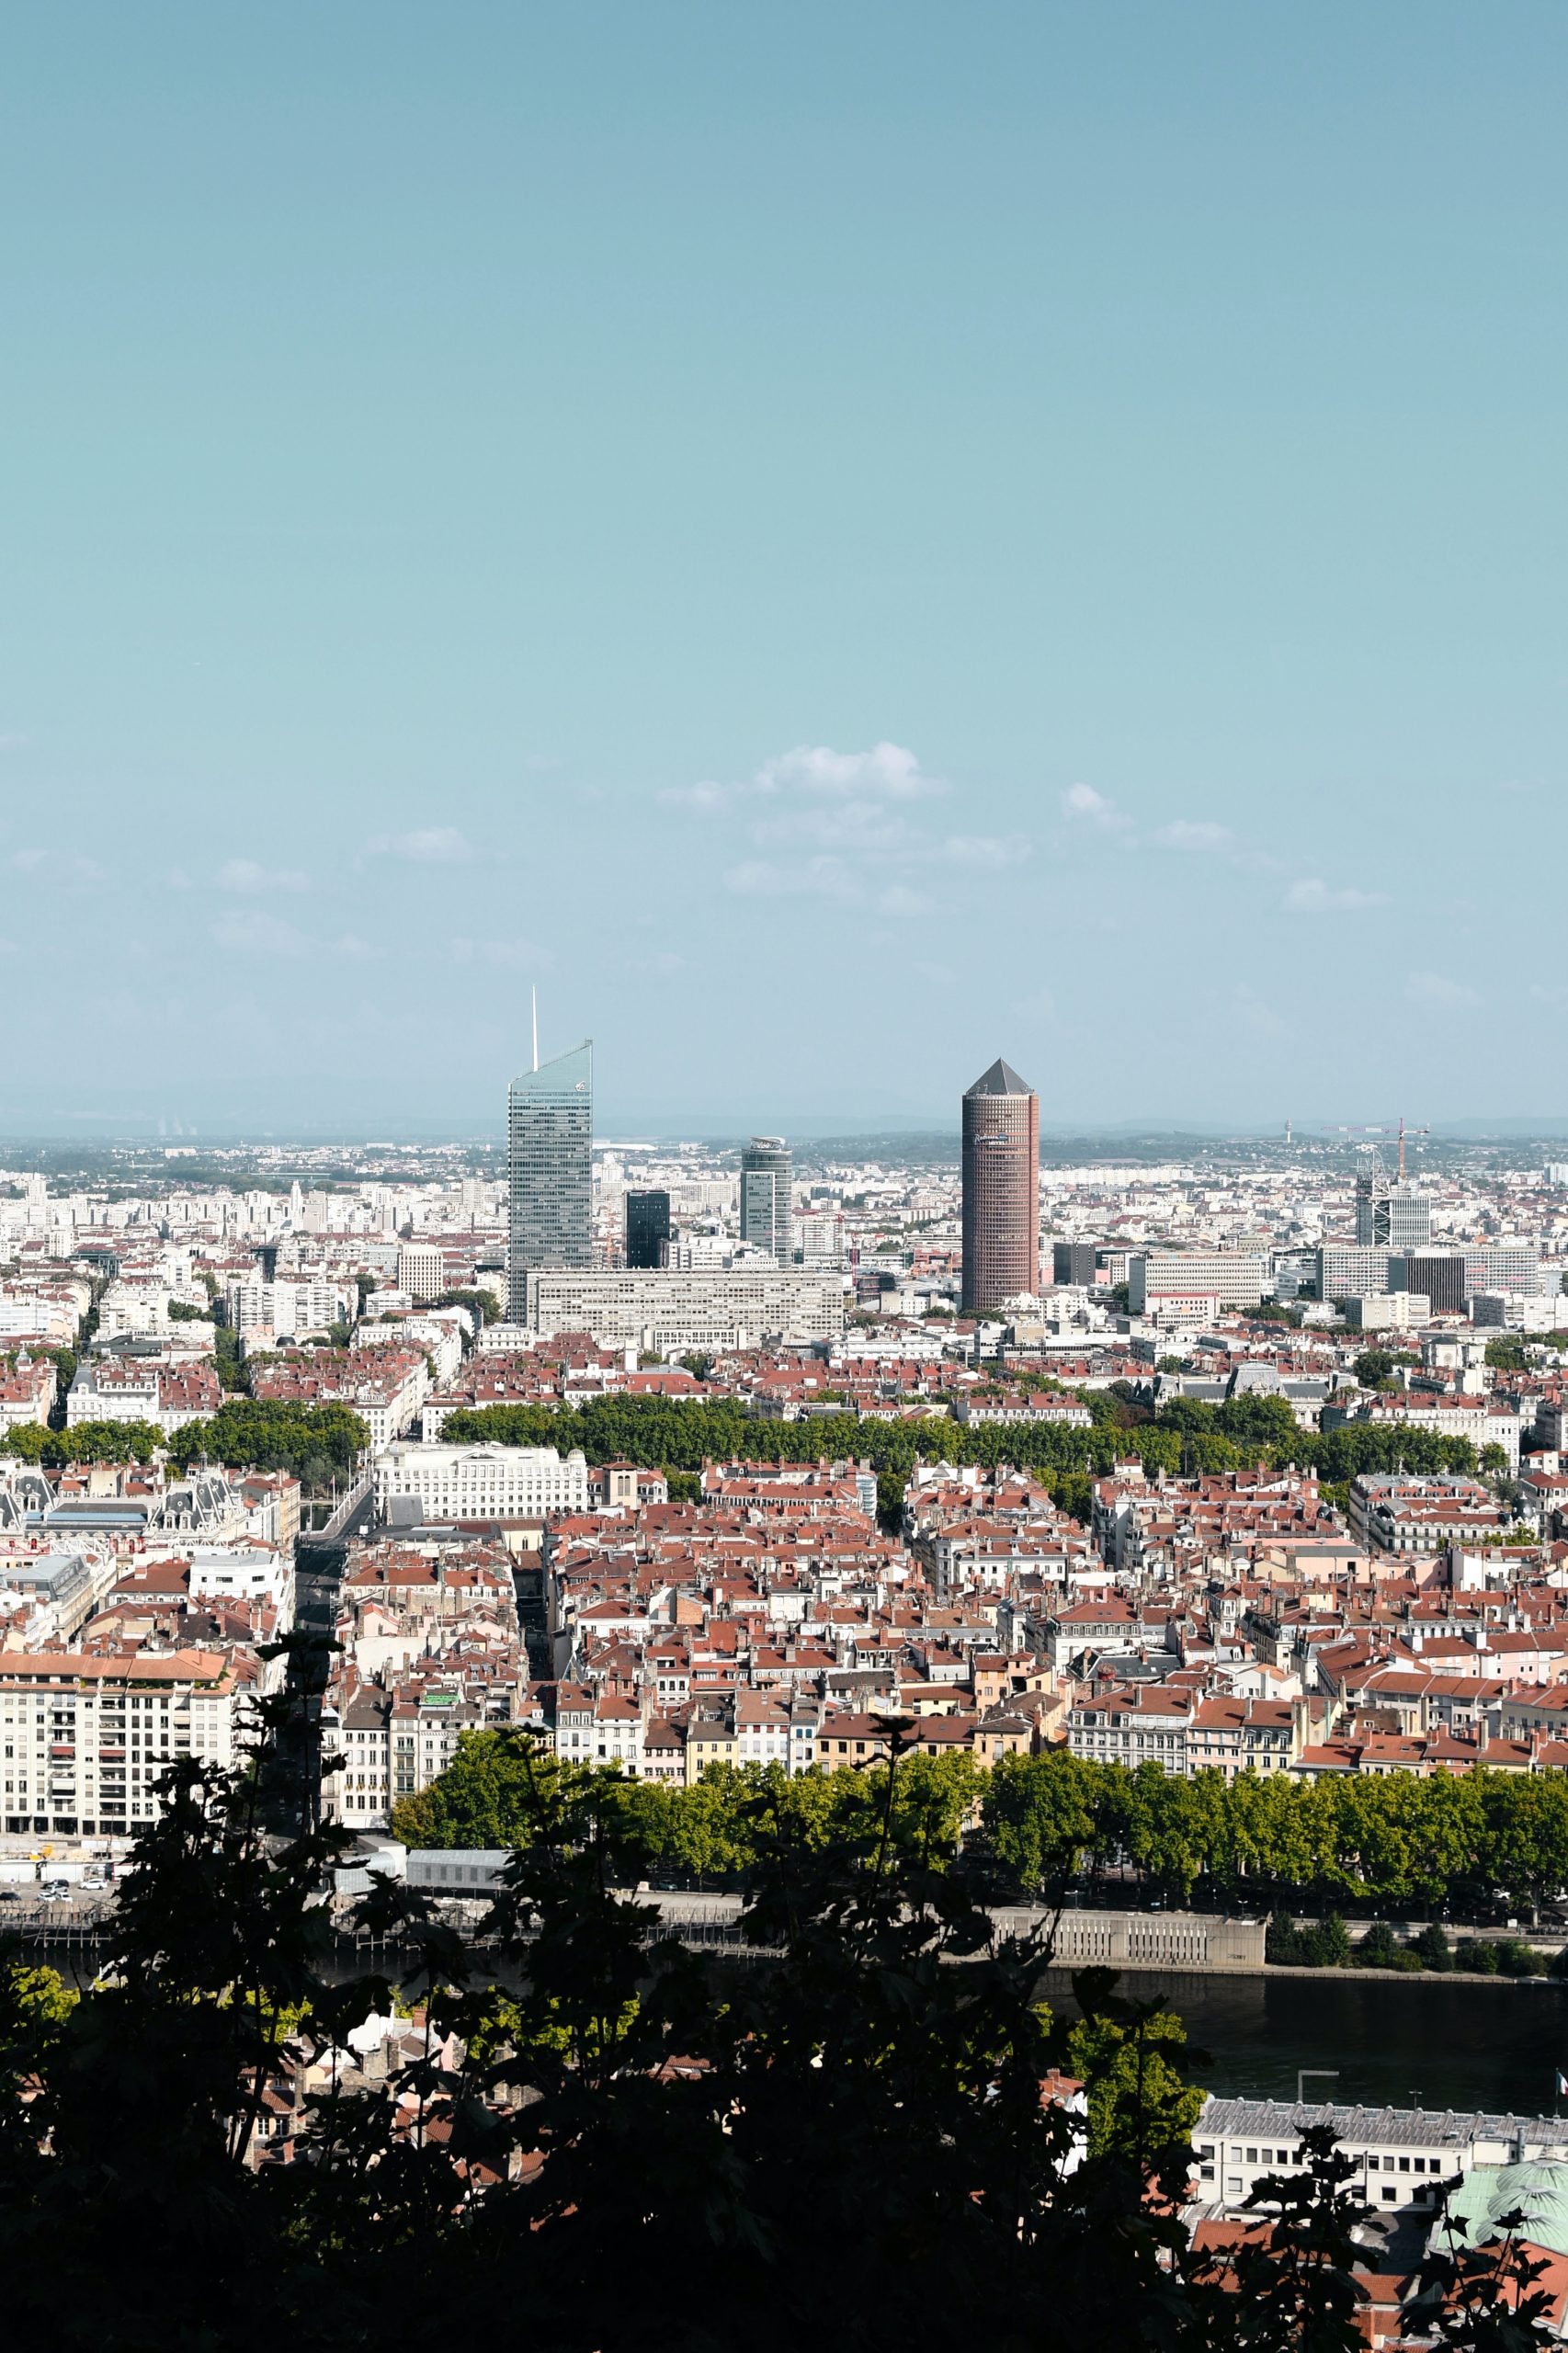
x: 549, y: 1172
x: 648, y: 1229
x: 767, y: 1185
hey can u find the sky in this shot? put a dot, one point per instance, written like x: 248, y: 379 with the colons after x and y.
x: 837, y: 542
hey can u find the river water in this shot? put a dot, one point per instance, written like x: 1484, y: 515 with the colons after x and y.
x: 1396, y: 2040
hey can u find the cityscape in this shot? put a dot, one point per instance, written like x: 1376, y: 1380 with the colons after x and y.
x: 783, y: 1196
x: 694, y: 1465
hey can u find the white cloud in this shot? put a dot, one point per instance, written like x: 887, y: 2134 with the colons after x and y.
x: 887, y: 772
x: 990, y: 852
x: 1084, y: 806
x: 1314, y: 897
x: 1189, y: 833
x: 706, y: 800
x: 10, y: 947
x: 897, y: 901
x: 252, y: 932
x: 244, y: 876
x: 179, y: 879
x: 503, y: 955
x: 426, y: 845
x: 1249, y: 1010
x: 27, y: 861
x: 1439, y: 993
x: 815, y: 772
x: 819, y: 878
x: 843, y: 827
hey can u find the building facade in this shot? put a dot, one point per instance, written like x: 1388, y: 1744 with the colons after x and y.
x: 86, y: 1738
x: 422, y: 1269
x: 481, y: 1482
x: 1001, y: 1189
x: 648, y: 1229
x: 1234, y: 1278
x: 549, y: 1170
x: 1391, y: 1217
x: 1351, y: 1270
x: 767, y: 1177
x: 657, y: 1309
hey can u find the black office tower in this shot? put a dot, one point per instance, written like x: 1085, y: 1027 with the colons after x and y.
x: 648, y: 1229
x: 1072, y: 1262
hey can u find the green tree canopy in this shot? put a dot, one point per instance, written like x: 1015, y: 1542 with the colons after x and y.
x: 274, y: 1434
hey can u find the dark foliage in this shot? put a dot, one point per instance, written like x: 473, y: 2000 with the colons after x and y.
x: 605, y: 2139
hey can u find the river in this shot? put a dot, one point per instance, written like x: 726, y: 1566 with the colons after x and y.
x: 1396, y: 2040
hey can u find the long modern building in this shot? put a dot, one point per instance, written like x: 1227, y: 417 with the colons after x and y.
x: 480, y: 1481
x: 663, y: 1308
x: 767, y: 1177
x: 1234, y: 1278
x: 549, y: 1170
x: 1001, y: 1189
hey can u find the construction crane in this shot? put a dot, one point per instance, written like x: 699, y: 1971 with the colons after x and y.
x: 1383, y: 1128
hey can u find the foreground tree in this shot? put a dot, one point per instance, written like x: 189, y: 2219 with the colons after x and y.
x: 849, y: 2135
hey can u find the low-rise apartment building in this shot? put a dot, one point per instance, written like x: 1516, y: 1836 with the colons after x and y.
x: 86, y: 1738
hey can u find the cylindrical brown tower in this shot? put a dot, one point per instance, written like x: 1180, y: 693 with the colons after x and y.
x: 1001, y: 1189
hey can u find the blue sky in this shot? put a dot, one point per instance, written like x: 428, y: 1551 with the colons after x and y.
x: 838, y: 541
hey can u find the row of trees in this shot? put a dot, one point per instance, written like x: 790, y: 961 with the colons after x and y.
x: 1327, y: 1944
x: 1187, y: 1437
x: 627, y: 2145
x: 1039, y: 1825
x: 316, y: 1443
x: 485, y: 1798
x: 1395, y: 1839
x: 88, y: 1442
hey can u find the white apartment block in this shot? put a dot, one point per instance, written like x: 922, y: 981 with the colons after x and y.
x: 1386, y: 1310
x: 421, y: 1270
x: 481, y: 1482
x: 287, y: 1309
x: 85, y: 1739
x: 660, y: 1308
x: 1235, y: 1277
